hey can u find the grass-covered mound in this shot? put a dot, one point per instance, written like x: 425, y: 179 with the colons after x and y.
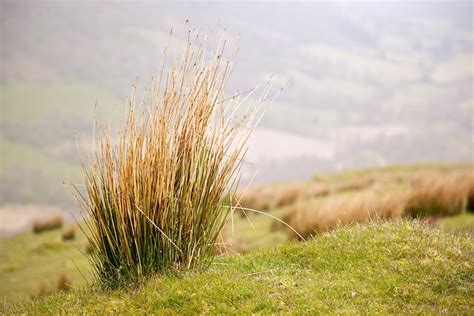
x: 400, y: 267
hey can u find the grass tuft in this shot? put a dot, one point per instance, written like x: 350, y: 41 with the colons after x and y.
x: 153, y: 194
x: 318, y: 216
x: 68, y: 234
x: 438, y: 195
x: 50, y: 223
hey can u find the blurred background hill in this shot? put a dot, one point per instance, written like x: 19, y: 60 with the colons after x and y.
x: 365, y: 85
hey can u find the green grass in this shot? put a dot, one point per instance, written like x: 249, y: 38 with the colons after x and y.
x: 16, y: 154
x: 254, y: 232
x: 37, y: 127
x: 400, y: 267
x: 20, y: 275
x: 30, y: 102
x: 29, y: 175
x: 461, y: 224
x: 28, y: 259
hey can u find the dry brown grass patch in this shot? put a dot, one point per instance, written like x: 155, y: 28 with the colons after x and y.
x: 317, y: 216
x: 316, y: 190
x: 45, y: 289
x: 470, y: 194
x: 355, y: 185
x: 68, y: 234
x: 50, y: 223
x: 438, y: 195
x: 64, y: 282
x: 260, y: 198
x: 289, y: 195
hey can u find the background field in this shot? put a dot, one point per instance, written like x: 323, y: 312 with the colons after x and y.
x: 358, y: 91
x: 30, y: 260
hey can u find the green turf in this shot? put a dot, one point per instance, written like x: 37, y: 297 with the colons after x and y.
x: 31, y: 259
x: 400, y: 267
x: 461, y: 224
x: 28, y: 259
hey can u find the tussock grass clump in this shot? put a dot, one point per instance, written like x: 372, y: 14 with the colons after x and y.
x: 46, y: 224
x: 255, y: 198
x: 153, y: 199
x: 431, y: 195
x: 64, y: 282
x: 89, y: 247
x: 316, y: 190
x: 318, y: 216
x: 438, y: 195
x: 470, y: 193
x: 45, y: 289
x: 289, y: 195
x: 68, y: 234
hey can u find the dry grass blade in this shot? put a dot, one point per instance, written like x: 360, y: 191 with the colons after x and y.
x: 153, y: 195
x: 439, y: 195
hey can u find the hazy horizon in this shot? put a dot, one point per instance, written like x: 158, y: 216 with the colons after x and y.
x: 365, y: 84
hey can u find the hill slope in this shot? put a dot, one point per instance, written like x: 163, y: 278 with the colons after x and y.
x: 400, y: 267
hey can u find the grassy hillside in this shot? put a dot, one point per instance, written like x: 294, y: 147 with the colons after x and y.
x: 29, y: 261
x: 399, y: 267
x: 19, y: 155
x: 461, y: 224
x: 29, y: 175
x: 331, y: 200
x: 37, y: 137
x: 30, y: 103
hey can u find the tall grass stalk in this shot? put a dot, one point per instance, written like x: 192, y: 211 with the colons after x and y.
x: 152, y: 195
